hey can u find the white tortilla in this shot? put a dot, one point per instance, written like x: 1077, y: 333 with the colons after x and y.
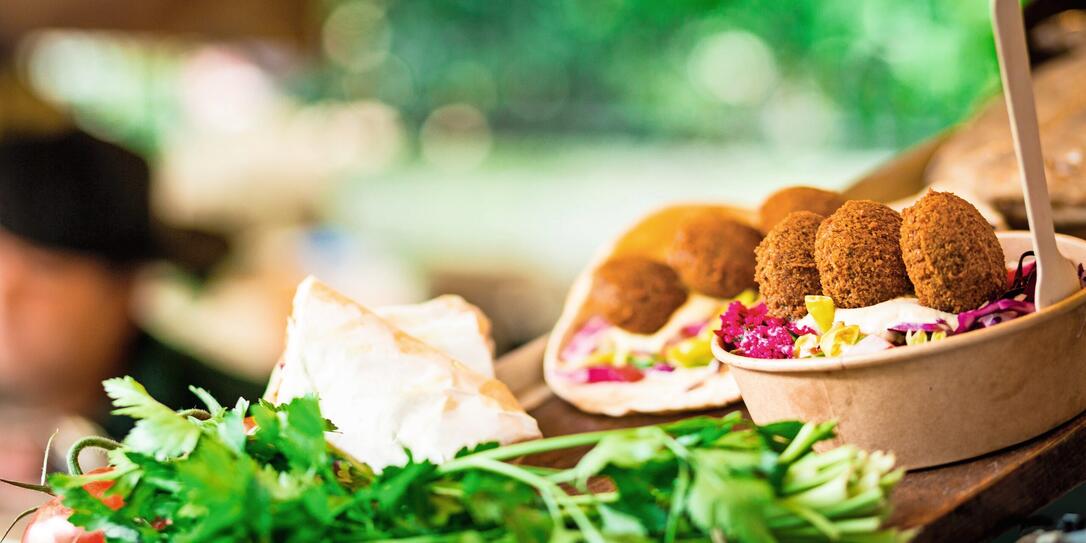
x: 659, y: 392
x: 386, y: 390
x: 449, y: 324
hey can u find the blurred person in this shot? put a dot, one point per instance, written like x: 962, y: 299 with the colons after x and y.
x: 75, y: 225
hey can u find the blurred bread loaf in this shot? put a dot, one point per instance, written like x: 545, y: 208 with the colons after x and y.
x: 979, y: 158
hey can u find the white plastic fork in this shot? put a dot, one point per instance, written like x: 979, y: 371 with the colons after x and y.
x: 1057, y: 277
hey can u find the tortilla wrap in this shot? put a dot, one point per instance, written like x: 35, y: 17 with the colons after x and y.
x: 386, y: 390
x: 449, y: 324
x: 659, y: 392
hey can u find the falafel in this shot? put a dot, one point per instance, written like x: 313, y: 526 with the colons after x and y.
x: 786, y: 271
x: 714, y: 254
x: 951, y: 253
x: 779, y: 204
x: 858, y: 254
x: 636, y: 294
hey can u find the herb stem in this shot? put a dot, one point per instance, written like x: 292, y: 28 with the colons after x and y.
x: 526, y: 448
x: 96, y: 442
x: 21, y: 516
x: 678, y: 503
x: 555, y: 498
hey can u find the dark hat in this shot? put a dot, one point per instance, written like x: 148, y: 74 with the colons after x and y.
x: 75, y: 192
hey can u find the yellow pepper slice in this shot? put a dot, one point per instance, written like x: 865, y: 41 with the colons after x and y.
x: 689, y: 353
x: 806, y: 346
x: 749, y: 297
x: 837, y: 337
x: 916, y: 337
x: 822, y: 310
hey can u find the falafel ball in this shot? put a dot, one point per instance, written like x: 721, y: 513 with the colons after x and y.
x: 951, y: 253
x: 714, y: 254
x: 636, y: 294
x: 858, y: 254
x: 786, y: 270
x: 779, y: 204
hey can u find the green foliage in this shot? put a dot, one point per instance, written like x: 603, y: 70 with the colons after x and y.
x: 891, y: 72
x: 895, y: 71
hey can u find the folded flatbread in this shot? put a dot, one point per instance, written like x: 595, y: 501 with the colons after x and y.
x: 684, y: 389
x: 449, y: 324
x: 386, y: 390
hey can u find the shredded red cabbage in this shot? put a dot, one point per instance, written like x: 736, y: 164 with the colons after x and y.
x: 993, y: 313
x: 585, y: 341
x: 753, y: 333
x: 607, y: 374
x: 940, y: 325
x: 1024, y: 282
x: 691, y: 330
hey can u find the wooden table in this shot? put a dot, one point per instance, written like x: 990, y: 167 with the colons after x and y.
x: 966, y: 501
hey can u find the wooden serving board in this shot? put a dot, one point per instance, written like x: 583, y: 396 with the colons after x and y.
x: 967, y: 501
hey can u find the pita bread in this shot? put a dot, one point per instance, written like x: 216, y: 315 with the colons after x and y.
x: 449, y: 324
x: 978, y: 158
x: 386, y: 390
x: 659, y: 392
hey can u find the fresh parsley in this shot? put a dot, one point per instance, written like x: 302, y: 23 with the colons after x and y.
x: 264, y: 473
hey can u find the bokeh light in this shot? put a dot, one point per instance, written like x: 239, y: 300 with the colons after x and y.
x: 222, y: 90
x: 734, y: 67
x: 456, y: 137
x: 356, y: 36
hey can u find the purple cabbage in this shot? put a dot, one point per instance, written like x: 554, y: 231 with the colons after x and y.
x: 993, y: 313
x: 691, y: 330
x: 606, y: 374
x: 1015, y: 302
x: 1024, y: 284
x: 585, y: 341
x: 940, y: 325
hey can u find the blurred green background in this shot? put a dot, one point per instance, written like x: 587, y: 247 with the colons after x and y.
x: 873, y: 74
x: 401, y: 149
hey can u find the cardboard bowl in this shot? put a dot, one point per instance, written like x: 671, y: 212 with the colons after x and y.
x: 939, y: 402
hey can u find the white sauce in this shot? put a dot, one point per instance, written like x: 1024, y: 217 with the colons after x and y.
x: 696, y: 309
x: 876, y: 319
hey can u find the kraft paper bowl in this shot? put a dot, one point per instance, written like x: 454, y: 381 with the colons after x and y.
x: 939, y: 402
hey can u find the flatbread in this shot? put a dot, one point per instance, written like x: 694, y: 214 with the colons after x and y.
x: 386, y: 390
x: 658, y: 392
x: 979, y: 157
x: 449, y: 324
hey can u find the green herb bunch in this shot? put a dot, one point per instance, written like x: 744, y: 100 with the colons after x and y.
x: 274, y: 477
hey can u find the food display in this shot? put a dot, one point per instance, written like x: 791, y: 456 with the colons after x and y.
x: 637, y: 330
x: 866, y: 279
x: 641, y: 325
x: 370, y: 434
